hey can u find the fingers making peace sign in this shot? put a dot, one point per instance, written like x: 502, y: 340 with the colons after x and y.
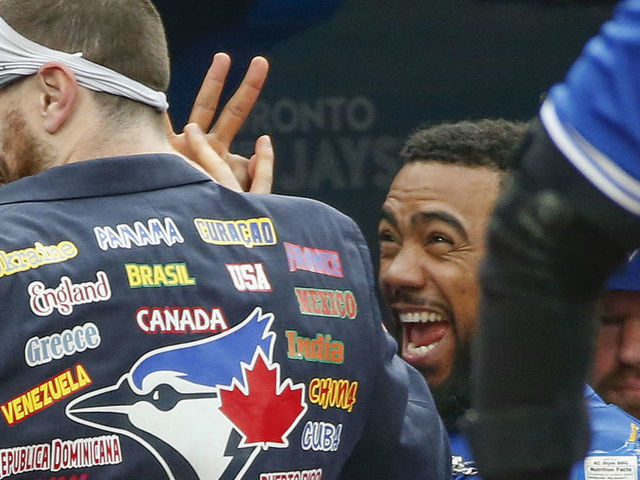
x: 211, y: 150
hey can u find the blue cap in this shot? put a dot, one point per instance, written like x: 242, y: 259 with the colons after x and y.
x: 627, y: 276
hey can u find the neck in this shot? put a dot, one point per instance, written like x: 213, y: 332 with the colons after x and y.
x: 91, y: 131
x: 106, y: 138
x: 129, y: 143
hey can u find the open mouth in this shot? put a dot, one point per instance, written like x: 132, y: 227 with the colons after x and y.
x: 422, y: 331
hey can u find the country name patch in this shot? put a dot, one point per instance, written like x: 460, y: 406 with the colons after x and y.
x: 46, y: 394
x: 327, y: 303
x: 316, y: 260
x: 34, y: 257
x: 158, y: 275
x: 250, y: 232
x: 154, y: 232
x: 181, y: 320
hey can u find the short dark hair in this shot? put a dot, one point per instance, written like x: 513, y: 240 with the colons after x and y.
x: 472, y: 143
x: 124, y: 35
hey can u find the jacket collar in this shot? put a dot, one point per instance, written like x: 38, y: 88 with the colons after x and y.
x: 103, y: 176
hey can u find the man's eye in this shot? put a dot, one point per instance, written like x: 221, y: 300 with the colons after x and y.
x: 437, y: 244
x: 437, y: 238
x: 386, y: 236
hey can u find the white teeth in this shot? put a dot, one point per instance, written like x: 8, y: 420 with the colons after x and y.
x: 420, y: 317
x: 420, y: 350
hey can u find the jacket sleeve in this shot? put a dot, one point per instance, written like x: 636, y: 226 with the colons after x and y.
x: 593, y: 116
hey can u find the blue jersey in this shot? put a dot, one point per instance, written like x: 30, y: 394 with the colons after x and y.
x: 613, y: 451
x: 610, y: 429
x: 156, y: 325
x: 593, y: 116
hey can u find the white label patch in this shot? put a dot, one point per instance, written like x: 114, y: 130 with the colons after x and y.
x: 611, y: 468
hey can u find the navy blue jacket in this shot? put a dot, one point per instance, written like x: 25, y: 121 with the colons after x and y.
x: 157, y: 325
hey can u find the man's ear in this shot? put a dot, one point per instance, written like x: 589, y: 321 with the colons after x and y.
x: 58, y: 92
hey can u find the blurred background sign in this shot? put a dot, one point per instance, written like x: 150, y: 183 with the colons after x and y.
x: 350, y: 79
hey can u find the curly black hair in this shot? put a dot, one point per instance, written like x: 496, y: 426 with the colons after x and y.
x: 472, y: 143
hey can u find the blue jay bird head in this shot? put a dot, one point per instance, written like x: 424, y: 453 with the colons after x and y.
x: 169, y: 401
x: 206, y: 363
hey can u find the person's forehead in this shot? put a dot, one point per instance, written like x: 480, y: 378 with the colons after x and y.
x: 623, y: 298
x: 419, y: 173
x: 621, y: 304
x: 471, y: 191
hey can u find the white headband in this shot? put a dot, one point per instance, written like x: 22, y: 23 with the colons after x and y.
x: 21, y: 56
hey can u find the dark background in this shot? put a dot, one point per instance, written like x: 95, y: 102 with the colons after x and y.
x: 350, y: 79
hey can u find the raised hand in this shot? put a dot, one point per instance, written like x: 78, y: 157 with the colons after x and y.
x: 212, y: 150
x: 253, y: 175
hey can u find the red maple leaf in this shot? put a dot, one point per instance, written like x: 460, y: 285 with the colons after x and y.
x: 268, y: 410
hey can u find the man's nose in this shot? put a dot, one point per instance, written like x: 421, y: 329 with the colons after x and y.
x: 405, y: 269
x: 630, y: 341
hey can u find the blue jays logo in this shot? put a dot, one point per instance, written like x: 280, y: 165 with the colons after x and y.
x: 194, y: 405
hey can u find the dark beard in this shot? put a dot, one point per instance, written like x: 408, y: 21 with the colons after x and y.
x: 28, y: 155
x: 453, y: 397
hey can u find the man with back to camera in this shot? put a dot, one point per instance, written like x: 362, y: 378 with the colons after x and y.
x: 156, y: 324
